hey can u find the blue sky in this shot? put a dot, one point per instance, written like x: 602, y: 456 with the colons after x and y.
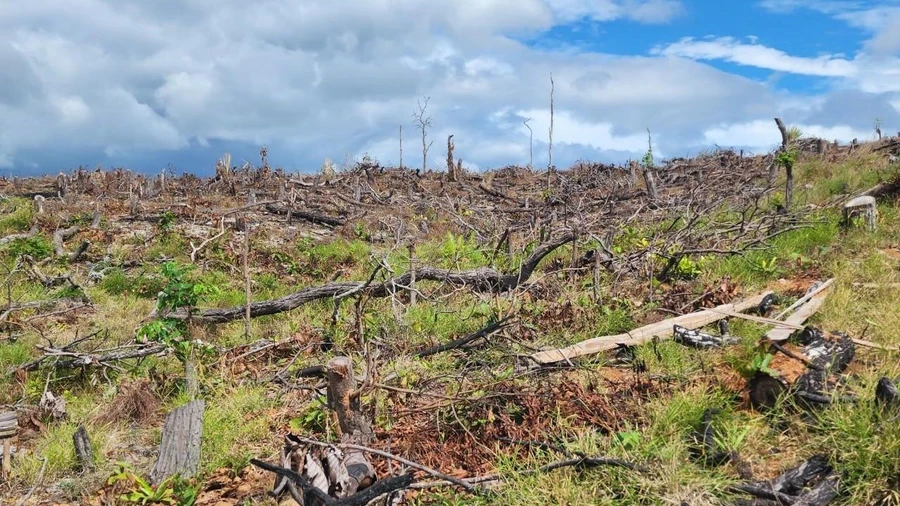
x: 177, y: 84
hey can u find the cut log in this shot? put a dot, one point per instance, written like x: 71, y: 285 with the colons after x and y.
x: 863, y: 207
x: 663, y: 329
x: 312, y: 217
x: 179, y: 451
x: 83, y: 450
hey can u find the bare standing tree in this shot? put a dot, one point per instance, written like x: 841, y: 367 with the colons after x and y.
x: 401, y: 146
x: 424, y: 122
x: 550, y: 149
x: 530, y: 144
x: 451, y: 165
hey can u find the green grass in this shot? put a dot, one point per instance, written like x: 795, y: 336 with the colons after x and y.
x: 17, y: 216
x: 234, y: 424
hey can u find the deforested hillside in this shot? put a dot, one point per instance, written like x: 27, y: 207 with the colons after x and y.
x: 715, y: 330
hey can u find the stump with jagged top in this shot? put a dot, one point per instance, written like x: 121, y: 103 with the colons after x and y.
x: 179, y: 451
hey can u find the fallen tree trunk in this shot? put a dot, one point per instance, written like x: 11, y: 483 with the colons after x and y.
x: 70, y: 359
x: 663, y: 329
x: 463, y: 341
x: 317, y: 218
x: 480, y: 280
x: 179, y: 451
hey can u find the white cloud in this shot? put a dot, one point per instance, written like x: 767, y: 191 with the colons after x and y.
x: 762, y: 135
x: 644, y: 11
x: 323, y: 78
x: 568, y: 129
x: 758, y: 55
x: 72, y: 110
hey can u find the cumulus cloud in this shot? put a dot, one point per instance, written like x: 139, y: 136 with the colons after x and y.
x: 145, y: 82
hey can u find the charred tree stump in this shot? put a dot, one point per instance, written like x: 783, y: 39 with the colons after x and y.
x: 824, y: 355
x: 887, y: 395
x: 179, y: 451
x: 451, y: 166
x: 83, y: 449
x: 323, y: 474
x: 863, y: 207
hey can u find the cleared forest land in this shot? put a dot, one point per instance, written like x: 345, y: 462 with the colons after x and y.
x: 639, y: 334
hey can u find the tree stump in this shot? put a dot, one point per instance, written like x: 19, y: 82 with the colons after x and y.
x: 179, y: 451
x: 861, y: 207
x: 83, y: 449
x: 332, y: 473
x: 9, y: 426
x: 650, y: 182
x: 343, y: 398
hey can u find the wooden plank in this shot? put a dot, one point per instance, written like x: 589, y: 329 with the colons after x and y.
x: 662, y: 330
x: 799, y: 317
x: 802, y: 300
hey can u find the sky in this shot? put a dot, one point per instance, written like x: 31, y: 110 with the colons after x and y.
x: 177, y: 83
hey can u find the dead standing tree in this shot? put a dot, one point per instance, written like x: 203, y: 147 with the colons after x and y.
x: 424, y: 122
x: 550, y: 147
x: 530, y: 144
x: 451, y: 165
x: 648, y: 168
x: 785, y: 157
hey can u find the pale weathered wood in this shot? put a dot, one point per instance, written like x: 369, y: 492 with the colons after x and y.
x: 9, y: 425
x: 179, y: 451
x: 663, y: 329
x: 864, y: 207
x: 802, y: 300
x: 800, y: 316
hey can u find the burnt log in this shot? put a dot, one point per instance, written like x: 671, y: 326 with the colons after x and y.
x: 824, y: 355
x: 812, y: 483
x: 179, y: 451
x: 697, y: 339
x: 887, y: 395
